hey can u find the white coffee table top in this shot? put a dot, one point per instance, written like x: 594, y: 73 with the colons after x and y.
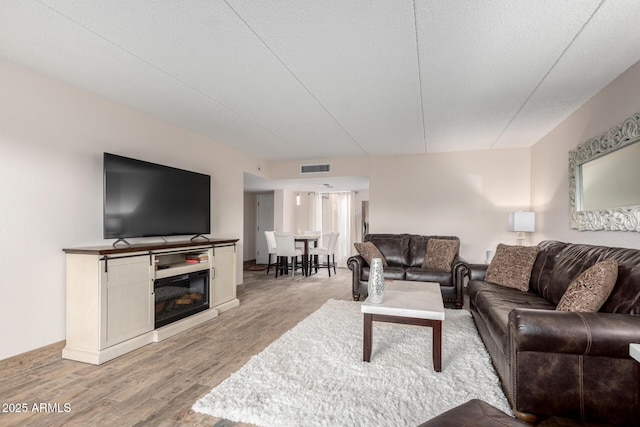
x: 421, y: 300
x: 634, y: 351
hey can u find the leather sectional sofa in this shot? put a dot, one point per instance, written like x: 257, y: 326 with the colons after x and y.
x: 405, y: 254
x: 559, y: 363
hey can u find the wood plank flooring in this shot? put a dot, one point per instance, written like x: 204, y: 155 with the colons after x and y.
x: 157, y: 384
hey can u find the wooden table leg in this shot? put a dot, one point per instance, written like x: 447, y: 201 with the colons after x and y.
x: 437, y: 345
x: 436, y: 326
x: 366, y: 353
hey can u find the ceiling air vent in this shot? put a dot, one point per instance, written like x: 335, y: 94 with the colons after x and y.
x: 319, y: 168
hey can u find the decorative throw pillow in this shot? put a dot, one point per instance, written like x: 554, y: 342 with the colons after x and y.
x: 369, y: 251
x: 511, y: 266
x: 591, y: 288
x: 440, y: 254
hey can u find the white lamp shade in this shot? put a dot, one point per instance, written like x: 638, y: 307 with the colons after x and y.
x: 522, y: 222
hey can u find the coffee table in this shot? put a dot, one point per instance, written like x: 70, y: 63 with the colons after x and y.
x: 408, y: 303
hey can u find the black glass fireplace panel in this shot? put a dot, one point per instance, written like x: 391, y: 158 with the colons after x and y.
x: 180, y: 296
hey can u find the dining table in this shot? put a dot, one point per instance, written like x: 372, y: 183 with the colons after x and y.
x: 306, y: 238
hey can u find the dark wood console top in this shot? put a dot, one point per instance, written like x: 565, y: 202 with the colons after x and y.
x: 140, y: 247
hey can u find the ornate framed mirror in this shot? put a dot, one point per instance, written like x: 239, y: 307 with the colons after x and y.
x: 604, y: 180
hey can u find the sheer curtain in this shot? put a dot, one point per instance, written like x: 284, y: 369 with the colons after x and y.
x: 346, y: 225
x: 331, y: 212
x: 315, y: 211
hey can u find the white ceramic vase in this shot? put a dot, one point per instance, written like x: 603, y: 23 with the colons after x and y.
x: 376, y: 282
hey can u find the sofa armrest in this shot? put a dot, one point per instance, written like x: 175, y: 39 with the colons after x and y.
x: 459, y: 269
x: 593, y: 334
x: 477, y: 271
x: 459, y: 264
x: 355, y: 264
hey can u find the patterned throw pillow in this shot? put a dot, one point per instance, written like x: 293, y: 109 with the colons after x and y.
x: 368, y: 251
x: 591, y: 288
x: 511, y: 266
x: 440, y: 254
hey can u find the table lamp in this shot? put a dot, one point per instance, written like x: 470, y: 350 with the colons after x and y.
x: 522, y: 222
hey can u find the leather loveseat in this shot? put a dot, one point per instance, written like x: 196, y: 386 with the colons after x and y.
x: 560, y: 363
x: 405, y: 255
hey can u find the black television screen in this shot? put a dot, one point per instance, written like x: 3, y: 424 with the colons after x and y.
x: 146, y: 199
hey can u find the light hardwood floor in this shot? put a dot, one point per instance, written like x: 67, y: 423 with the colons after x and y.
x: 157, y: 384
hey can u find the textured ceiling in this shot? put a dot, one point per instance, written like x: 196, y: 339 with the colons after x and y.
x: 309, y: 79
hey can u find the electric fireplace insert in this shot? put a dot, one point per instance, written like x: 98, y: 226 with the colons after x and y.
x: 177, y: 297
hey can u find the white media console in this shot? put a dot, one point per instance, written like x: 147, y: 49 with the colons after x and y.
x: 114, y: 305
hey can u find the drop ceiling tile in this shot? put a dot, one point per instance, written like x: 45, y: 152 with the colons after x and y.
x: 210, y: 50
x: 608, y: 45
x: 481, y: 60
x: 304, y: 79
x: 357, y: 58
x: 48, y: 44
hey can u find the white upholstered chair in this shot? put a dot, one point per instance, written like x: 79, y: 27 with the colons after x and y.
x: 328, y: 251
x: 285, y: 250
x: 271, y: 246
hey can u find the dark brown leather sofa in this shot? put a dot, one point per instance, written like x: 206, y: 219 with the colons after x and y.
x: 405, y: 255
x: 568, y: 364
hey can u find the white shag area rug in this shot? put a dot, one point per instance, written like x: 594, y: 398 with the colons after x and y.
x: 314, y: 374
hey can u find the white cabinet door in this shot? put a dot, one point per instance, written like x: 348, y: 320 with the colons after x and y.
x: 223, y: 274
x: 127, y: 299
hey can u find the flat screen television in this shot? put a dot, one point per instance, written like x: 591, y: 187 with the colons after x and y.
x: 143, y: 199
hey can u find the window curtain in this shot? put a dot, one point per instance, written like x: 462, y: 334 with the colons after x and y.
x: 346, y: 226
x: 315, y: 211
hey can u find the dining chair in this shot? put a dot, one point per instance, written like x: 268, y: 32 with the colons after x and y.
x: 285, y: 249
x: 271, y: 246
x: 329, y: 251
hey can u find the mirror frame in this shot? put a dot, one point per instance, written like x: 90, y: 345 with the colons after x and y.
x: 614, y: 219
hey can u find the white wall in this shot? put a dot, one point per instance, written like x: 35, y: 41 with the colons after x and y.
x: 52, y: 137
x: 302, y: 211
x: 467, y: 194
x: 284, y: 208
x: 549, y: 162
